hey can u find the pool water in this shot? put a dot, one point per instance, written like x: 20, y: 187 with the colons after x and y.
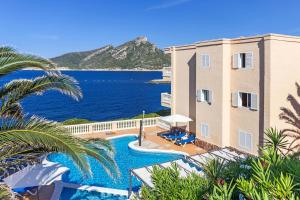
x: 74, y: 194
x: 125, y: 158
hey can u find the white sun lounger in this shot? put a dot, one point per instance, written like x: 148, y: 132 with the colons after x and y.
x: 187, y: 166
x: 233, y: 153
x: 182, y: 171
x: 223, y: 155
x: 144, y: 175
x: 201, y: 159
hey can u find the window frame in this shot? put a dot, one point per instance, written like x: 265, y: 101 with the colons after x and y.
x: 240, y: 63
x: 205, y: 96
x: 249, y: 100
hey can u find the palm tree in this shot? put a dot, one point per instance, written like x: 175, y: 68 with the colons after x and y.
x: 292, y: 117
x: 23, y: 138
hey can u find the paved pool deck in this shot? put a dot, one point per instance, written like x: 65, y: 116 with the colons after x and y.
x: 150, y: 140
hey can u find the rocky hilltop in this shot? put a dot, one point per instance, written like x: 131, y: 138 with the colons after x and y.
x: 135, y: 54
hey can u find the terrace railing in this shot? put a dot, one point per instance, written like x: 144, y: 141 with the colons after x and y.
x: 111, y: 126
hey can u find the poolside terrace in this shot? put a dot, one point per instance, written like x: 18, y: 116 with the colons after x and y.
x: 150, y: 139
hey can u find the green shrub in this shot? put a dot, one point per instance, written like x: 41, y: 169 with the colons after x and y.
x: 168, y: 185
x: 160, y: 113
x: 154, y: 114
x: 74, y: 121
x: 272, y: 175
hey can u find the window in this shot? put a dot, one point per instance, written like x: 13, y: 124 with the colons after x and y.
x: 242, y: 60
x: 243, y: 99
x: 205, y: 60
x: 204, y: 96
x: 245, y: 140
x: 204, y: 130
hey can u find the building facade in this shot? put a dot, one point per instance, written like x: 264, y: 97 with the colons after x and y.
x: 233, y: 89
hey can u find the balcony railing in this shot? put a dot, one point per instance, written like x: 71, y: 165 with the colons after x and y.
x: 110, y: 126
x: 167, y: 72
x: 166, y: 99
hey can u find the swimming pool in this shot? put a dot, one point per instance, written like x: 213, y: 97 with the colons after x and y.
x: 126, y: 159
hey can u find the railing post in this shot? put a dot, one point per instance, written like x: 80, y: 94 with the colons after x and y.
x: 91, y: 128
x: 138, y: 123
x: 114, y: 126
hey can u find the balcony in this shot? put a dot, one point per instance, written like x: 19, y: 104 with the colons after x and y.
x: 167, y: 72
x: 166, y: 99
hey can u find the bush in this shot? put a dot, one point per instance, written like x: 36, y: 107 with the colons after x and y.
x: 169, y: 185
x: 154, y: 114
x: 272, y: 175
x: 74, y: 121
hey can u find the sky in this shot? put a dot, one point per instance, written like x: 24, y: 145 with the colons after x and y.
x: 52, y: 27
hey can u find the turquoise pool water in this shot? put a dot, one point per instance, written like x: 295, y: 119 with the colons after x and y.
x: 74, y: 194
x: 126, y: 159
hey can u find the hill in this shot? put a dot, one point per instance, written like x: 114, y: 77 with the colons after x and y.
x: 135, y: 54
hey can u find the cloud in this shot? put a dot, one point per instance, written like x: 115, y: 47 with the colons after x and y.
x: 168, y: 4
x: 46, y: 36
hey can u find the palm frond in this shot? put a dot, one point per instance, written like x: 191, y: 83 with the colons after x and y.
x: 298, y: 89
x: 275, y: 139
x: 289, y: 117
x: 10, y: 61
x: 292, y: 117
x: 21, y: 88
x: 13, y: 92
x: 48, y: 136
x: 11, y: 109
x: 294, y: 103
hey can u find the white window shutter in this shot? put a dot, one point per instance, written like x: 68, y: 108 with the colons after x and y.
x: 209, y: 96
x: 241, y: 139
x: 202, y: 60
x: 198, y: 95
x: 207, y: 60
x: 235, y: 99
x: 248, y: 142
x: 206, y: 130
x: 202, y: 96
x: 254, y: 102
x: 236, y: 61
x: 249, y: 60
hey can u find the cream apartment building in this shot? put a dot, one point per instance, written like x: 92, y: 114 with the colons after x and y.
x: 233, y: 88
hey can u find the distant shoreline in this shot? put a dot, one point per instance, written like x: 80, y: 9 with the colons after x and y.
x: 105, y: 69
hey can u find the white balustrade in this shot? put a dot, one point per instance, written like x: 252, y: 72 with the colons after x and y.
x: 126, y: 124
x: 99, y: 127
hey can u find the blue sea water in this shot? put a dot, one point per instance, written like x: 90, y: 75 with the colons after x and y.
x: 106, y: 95
x: 125, y: 158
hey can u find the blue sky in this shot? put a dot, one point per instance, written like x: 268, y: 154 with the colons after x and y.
x: 52, y: 27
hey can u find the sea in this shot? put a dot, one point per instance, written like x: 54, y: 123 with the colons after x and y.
x: 107, y: 95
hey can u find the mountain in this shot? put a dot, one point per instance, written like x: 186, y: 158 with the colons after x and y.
x: 135, y: 54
